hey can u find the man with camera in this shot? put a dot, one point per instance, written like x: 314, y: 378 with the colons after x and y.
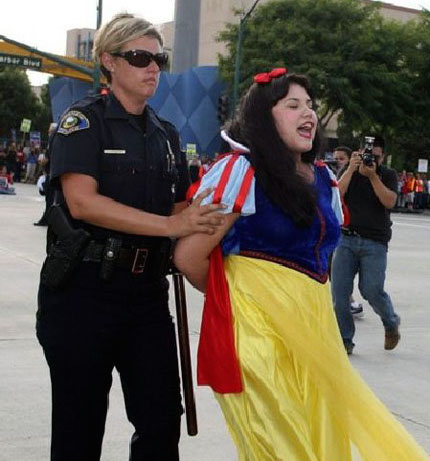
x: 369, y: 191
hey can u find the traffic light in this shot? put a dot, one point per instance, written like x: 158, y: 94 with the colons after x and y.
x: 223, y: 108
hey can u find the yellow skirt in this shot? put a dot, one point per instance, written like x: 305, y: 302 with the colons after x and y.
x: 302, y: 400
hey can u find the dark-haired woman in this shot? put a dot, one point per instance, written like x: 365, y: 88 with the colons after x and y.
x: 270, y: 346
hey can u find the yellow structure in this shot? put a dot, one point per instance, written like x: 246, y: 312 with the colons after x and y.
x: 14, y: 54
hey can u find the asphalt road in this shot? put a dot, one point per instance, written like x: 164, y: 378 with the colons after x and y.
x: 400, y: 378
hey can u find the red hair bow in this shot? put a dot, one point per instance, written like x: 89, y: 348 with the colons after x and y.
x: 266, y: 77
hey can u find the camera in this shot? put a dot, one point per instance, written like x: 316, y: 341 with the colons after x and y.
x: 367, y: 155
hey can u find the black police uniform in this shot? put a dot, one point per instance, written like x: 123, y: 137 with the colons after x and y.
x: 92, y: 325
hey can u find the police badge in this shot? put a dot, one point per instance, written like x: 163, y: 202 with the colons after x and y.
x: 73, y: 121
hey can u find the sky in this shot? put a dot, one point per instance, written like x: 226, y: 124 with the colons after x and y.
x: 43, y: 23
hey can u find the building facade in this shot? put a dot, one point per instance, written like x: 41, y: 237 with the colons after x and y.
x: 80, y: 43
x: 215, y: 14
x: 213, y: 17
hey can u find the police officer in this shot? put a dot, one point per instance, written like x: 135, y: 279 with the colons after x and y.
x: 123, y: 178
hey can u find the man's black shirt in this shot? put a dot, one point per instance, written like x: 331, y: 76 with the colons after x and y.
x: 368, y: 217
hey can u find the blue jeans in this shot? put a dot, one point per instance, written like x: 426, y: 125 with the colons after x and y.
x: 369, y: 259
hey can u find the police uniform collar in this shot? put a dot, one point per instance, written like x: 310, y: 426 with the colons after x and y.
x: 152, y: 121
x: 114, y: 109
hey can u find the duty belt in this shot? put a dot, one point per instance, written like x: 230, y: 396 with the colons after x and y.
x: 138, y: 260
x: 350, y: 232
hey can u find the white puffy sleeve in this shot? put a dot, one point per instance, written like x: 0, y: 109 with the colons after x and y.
x: 232, y: 179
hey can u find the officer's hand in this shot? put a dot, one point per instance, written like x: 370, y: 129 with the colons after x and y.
x: 355, y: 161
x: 196, y: 218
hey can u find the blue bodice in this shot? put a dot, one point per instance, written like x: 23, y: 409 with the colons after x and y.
x: 273, y: 233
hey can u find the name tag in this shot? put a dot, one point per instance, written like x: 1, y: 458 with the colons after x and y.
x: 114, y: 151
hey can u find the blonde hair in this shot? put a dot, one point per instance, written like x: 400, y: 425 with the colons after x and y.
x: 122, y: 28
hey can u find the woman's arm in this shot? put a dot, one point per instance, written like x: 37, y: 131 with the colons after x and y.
x: 192, y: 253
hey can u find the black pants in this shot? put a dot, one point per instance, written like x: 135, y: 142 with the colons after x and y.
x: 91, y: 327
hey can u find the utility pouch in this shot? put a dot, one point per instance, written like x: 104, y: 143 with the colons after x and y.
x: 166, y: 257
x: 63, y: 257
x: 110, y: 256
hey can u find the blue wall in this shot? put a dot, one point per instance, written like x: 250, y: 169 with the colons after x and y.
x: 188, y: 100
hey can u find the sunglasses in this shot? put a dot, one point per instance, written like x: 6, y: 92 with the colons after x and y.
x: 142, y: 58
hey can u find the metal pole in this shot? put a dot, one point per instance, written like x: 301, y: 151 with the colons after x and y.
x: 99, y: 14
x: 96, y: 70
x: 238, y: 55
x: 184, y: 352
x: 237, y: 66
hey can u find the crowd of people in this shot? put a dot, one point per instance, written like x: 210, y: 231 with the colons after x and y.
x: 22, y: 163
x: 413, y: 191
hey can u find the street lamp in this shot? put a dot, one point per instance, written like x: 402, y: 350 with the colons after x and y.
x: 96, y: 71
x: 238, y: 51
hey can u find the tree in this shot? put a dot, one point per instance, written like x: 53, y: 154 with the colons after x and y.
x: 412, y: 140
x: 330, y: 40
x: 364, y: 69
x: 43, y: 116
x: 17, y: 101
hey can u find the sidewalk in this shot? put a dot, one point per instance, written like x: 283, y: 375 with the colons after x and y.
x: 400, y: 378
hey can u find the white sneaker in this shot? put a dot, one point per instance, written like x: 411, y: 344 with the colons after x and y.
x: 357, y: 310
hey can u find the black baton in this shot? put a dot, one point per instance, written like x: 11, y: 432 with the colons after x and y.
x: 184, y: 352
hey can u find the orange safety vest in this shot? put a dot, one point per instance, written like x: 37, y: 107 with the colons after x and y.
x: 411, y: 184
x: 419, y: 185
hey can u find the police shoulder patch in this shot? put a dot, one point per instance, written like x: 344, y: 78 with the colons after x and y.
x: 73, y: 121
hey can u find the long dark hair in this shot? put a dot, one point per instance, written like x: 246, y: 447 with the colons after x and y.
x: 274, y: 163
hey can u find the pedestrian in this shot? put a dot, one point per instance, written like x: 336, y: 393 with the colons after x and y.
x: 419, y: 192
x: 103, y: 296
x: 341, y: 155
x: 6, y: 181
x: 31, y: 165
x: 410, y: 190
x: 20, y: 156
x: 12, y: 160
x: 270, y: 346
x: 369, y: 192
x: 401, y: 190
x: 41, y: 162
x: 204, y: 165
x: 43, y: 221
x: 427, y: 193
x: 194, y: 168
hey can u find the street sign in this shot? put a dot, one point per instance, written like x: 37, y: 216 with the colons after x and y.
x: 423, y: 165
x: 20, y: 61
x: 25, y: 125
x: 191, y: 150
x: 35, y: 139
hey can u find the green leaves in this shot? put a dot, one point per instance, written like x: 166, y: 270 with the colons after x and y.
x: 372, y: 72
x: 17, y: 101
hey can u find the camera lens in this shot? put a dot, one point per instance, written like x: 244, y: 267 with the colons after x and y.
x: 368, y: 159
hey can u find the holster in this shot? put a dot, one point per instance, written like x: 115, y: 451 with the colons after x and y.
x: 66, y: 252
